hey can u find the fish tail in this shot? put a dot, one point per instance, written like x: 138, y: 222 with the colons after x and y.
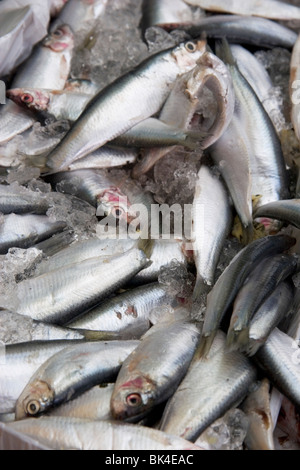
x: 146, y: 245
x: 91, y: 335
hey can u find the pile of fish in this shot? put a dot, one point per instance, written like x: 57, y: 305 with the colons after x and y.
x: 150, y: 217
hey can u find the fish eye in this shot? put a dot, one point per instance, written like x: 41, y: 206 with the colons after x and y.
x: 33, y: 407
x: 191, y: 47
x: 134, y: 399
x: 27, y: 98
x: 58, y: 33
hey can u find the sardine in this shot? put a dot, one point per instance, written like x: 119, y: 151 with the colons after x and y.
x: 257, y: 408
x: 244, y: 30
x: 94, y: 404
x: 279, y: 360
x: 79, y: 14
x: 50, y: 297
x: 115, y: 109
x: 164, y: 13
x: 267, y: 274
x: 47, y: 67
x: 228, y: 284
x: 19, y: 200
x: 153, y: 371
x: 288, y: 211
x: 210, y: 387
x: 127, y: 312
x: 268, y: 316
x: 211, y: 222
x: 71, y: 372
x: 16, y: 328
x: 187, y: 95
x: 18, y: 363
x: 267, y: 166
x: 264, y: 8
x: 106, y: 157
x: 75, y: 433
x: 24, y: 230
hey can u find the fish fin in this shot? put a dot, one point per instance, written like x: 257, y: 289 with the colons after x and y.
x: 146, y: 245
x: 238, y: 340
x: 91, y: 335
x: 224, y: 53
x: 201, y: 289
x: 205, y: 345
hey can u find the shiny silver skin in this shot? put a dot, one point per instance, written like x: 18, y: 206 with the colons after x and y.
x: 288, y: 211
x: 153, y: 371
x: 50, y: 297
x: 263, y: 8
x: 71, y: 372
x: 229, y: 283
x: 24, y: 230
x: 126, y: 313
x: 80, y: 434
x: 116, y: 109
x: 294, y: 87
x: 268, y: 274
x: 18, y: 200
x: 211, y: 224
x: 210, y: 387
x: 165, y: 13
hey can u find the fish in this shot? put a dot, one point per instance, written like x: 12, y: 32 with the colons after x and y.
x: 278, y: 359
x: 211, y: 224
x: 287, y: 210
x: 47, y: 67
x: 108, y: 156
x: 59, y: 433
x: 268, y: 274
x: 153, y: 371
x: 94, y: 404
x: 19, y: 363
x: 294, y: 87
x: 267, y: 165
x: 210, y: 387
x: 265, y: 9
x: 257, y: 408
x: 164, y: 13
x: 19, y: 200
x: 16, y: 328
x: 115, y: 107
x: 232, y: 278
x: 70, y: 372
x: 127, y: 313
x: 24, y: 230
x: 268, y: 316
x: 242, y: 29
x: 187, y: 95
x: 50, y: 297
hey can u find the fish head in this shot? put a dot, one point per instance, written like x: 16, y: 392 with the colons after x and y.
x: 35, y: 399
x: 57, y: 6
x: 61, y: 39
x: 133, y: 398
x: 113, y: 202
x: 187, y: 54
x: 30, y: 98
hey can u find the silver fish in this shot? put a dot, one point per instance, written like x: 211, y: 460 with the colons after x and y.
x: 116, y: 108
x: 244, y: 30
x: 153, y: 371
x: 19, y: 200
x: 127, y: 312
x: 19, y: 363
x: 24, y: 230
x: 78, y: 14
x: 268, y: 274
x: 211, y: 223
x: 279, y: 360
x: 49, y: 297
x: 210, y: 387
x: 287, y: 211
x: 80, y: 434
x: 268, y: 316
x: 106, y: 157
x: 164, y: 13
x: 70, y: 372
x: 265, y: 8
x: 294, y: 87
x: 228, y: 284
x: 257, y: 408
